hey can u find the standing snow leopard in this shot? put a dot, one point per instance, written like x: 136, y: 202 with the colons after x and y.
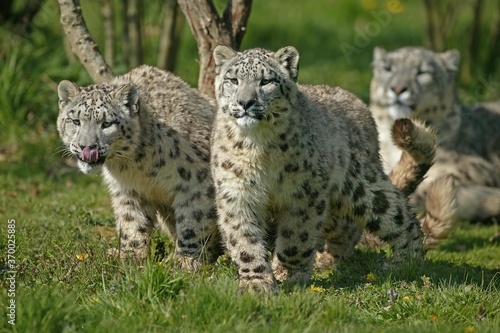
x: 150, y: 133
x: 294, y: 164
x: 418, y: 83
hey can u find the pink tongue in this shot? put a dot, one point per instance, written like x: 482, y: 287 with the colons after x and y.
x: 90, y: 154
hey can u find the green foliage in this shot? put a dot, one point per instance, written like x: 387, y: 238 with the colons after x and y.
x: 14, y: 110
x: 67, y: 282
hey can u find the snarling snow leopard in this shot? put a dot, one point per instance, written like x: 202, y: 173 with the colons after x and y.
x: 419, y: 83
x: 149, y: 132
x: 295, y: 165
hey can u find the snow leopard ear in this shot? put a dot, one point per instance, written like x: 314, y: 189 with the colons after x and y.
x: 451, y: 60
x: 379, y: 54
x: 67, y: 91
x: 288, y: 57
x: 222, y: 54
x: 128, y: 95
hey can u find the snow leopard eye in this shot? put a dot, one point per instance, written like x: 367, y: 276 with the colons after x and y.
x: 76, y: 122
x: 422, y: 71
x: 265, y: 82
x: 106, y: 124
x: 232, y: 80
x: 387, y: 67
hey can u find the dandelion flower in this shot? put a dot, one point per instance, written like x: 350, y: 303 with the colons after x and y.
x: 317, y: 289
x: 407, y: 298
x: 469, y: 329
x: 434, y: 317
x: 370, y: 277
x: 82, y: 256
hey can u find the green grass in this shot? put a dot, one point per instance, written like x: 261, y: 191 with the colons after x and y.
x: 66, y: 281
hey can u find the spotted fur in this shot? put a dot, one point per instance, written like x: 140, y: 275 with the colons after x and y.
x: 296, y: 165
x: 418, y: 83
x: 149, y: 131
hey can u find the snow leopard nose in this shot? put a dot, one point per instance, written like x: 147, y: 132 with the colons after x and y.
x: 246, y: 103
x: 92, y: 146
x: 398, y: 90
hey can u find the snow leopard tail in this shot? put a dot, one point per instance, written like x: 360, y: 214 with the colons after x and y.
x: 418, y: 145
x: 440, y: 211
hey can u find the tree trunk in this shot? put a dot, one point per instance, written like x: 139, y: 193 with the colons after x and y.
x: 81, y: 41
x: 236, y: 16
x: 124, y: 43
x: 210, y: 30
x: 475, y: 36
x: 493, y: 60
x: 170, y: 36
x: 109, y: 31
x: 433, y: 25
x: 134, y: 32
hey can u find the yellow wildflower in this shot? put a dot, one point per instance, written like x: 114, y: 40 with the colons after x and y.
x: 82, y: 256
x: 407, y: 298
x: 469, y: 329
x: 317, y: 289
x: 434, y: 317
x: 395, y: 6
x: 370, y: 277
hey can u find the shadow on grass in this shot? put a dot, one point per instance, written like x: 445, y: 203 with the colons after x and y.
x: 375, y: 267
x: 461, y: 243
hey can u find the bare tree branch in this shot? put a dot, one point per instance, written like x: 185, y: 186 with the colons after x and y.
x: 240, y: 13
x: 236, y: 16
x: 210, y: 30
x: 205, y: 25
x: 81, y: 42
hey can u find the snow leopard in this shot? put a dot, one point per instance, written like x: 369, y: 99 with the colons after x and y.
x: 149, y: 133
x: 295, y: 165
x: 419, y: 83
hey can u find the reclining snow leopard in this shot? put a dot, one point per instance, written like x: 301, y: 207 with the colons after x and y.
x: 419, y: 83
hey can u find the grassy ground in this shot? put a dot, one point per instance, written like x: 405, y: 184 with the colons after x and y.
x: 66, y: 282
